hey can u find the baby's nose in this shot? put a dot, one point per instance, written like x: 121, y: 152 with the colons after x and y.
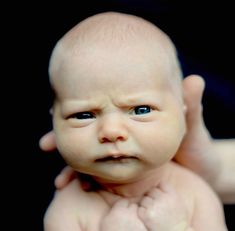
x: 112, y: 129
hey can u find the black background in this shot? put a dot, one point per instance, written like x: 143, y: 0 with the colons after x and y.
x: 203, y: 34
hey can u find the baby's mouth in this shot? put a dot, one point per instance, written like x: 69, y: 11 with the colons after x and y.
x: 116, y: 158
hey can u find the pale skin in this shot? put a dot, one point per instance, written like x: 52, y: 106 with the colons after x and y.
x: 197, y: 139
x: 125, y: 137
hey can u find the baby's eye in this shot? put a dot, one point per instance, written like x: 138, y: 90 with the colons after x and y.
x: 83, y: 115
x: 143, y: 109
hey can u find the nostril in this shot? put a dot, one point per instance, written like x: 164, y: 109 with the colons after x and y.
x: 121, y: 138
x: 112, y: 139
x: 105, y: 140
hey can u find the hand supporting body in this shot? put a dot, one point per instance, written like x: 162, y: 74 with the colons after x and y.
x: 211, y: 159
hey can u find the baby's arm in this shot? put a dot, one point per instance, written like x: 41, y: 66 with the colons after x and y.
x: 64, y: 210
x: 163, y: 210
x: 208, y: 213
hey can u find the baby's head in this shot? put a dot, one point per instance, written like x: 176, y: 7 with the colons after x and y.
x: 127, y: 41
x: 118, y: 110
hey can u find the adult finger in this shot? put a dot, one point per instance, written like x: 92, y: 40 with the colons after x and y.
x: 47, y: 142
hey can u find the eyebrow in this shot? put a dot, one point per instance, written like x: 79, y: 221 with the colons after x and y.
x: 71, y: 105
x: 153, y: 97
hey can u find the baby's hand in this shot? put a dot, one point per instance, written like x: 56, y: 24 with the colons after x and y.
x: 162, y: 210
x: 123, y: 216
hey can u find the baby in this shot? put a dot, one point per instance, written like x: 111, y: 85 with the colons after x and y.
x: 119, y: 117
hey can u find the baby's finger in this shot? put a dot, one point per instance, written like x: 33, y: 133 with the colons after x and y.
x: 133, y: 207
x: 146, y: 201
x: 166, y: 187
x: 155, y: 193
x: 142, y: 212
x: 121, y: 203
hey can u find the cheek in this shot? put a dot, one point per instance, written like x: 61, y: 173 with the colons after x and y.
x: 74, y: 147
x: 159, y: 143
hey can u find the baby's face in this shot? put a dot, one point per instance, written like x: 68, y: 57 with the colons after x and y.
x: 115, y: 115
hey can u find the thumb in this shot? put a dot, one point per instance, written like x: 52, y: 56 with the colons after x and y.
x: 193, y: 87
x: 197, y: 133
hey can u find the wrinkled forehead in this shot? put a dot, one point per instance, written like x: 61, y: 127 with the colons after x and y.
x: 120, y: 39
x: 115, y: 30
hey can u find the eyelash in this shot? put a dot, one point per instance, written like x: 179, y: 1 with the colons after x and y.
x: 138, y: 110
x: 83, y: 115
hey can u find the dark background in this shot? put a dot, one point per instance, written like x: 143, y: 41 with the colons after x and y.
x: 202, y: 33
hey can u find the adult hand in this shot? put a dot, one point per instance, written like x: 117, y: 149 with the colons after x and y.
x: 47, y: 142
x: 197, y: 151
x: 214, y: 160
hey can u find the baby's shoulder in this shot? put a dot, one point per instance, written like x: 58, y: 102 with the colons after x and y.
x: 70, y: 202
x: 189, y: 183
x: 196, y: 193
x: 199, y: 198
x: 74, y: 194
x: 186, y: 179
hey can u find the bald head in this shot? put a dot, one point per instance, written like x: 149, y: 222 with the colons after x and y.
x: 112, y: 28
x: 114, y: 32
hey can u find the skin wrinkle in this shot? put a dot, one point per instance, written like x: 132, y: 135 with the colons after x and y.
x: 140, y: 66
x: 119, y: 117
x: 111, y: 32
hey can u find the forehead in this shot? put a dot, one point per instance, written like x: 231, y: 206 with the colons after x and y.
x: 135, y: 64
x: 112, y: 51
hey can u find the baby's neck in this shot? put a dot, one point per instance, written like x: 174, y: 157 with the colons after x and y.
x: 135, y: 190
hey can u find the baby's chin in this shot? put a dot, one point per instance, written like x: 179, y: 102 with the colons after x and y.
x: 121, y: 167
x: 119, y: 171
x: 119, y: 175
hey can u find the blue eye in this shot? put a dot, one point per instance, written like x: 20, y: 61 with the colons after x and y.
x: 83, y: 115
x: 139, y: 110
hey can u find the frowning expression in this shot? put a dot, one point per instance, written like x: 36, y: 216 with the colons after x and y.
x: 115, y: 115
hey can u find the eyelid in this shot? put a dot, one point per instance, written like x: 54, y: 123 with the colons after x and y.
x: 69, y: 107
x: 74, y: 115
x: 132, y: 111
x: 153, y: 107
